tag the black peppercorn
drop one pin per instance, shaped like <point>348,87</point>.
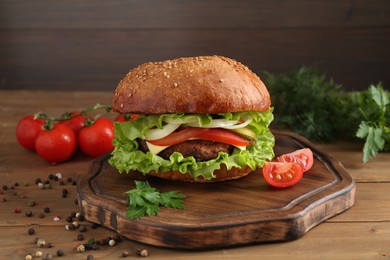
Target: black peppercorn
<point>46,210</point>
<point>80,217</point>
<point>95,246</point>
<point>94,225</point>
<point>117,238</point>
<point>76,202</point>
<point>65,191</point>
<point>41,215</point>
<point>60,252</point>
<point>16,184</point>
<point>31,231</point>
<point>5,187</point>
<point>82,228</point>
<point>28,213</point>
<point>69,179</point>
<point>90,257</point>
<point>51,176</point>
<point>62,183</point>
<point>47,256</point>
<point>55,178</point>
<point>74,183</point>
<point>80,237</point>
<point>69,219</point>
<point>38,180</point>
<point>71,227</point>
<point>88,246</point>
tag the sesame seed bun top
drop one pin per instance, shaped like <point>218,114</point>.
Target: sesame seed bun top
<point>204,84</point>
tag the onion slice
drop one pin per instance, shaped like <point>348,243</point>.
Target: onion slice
<point>215,123</point>
<point>242,125</point>
<point>157,133</point>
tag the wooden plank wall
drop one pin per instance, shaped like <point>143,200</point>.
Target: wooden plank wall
<point>91,45</point>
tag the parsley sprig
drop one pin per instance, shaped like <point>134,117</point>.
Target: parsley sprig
<point>147,200</point>
<point>308,103</point>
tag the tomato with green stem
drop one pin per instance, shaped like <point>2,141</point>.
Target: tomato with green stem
<point>96,139</point>
<point>56,144</point>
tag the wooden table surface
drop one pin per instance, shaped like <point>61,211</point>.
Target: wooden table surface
<point>362,232</point>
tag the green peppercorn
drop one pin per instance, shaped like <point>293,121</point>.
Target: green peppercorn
<point>31,203</point>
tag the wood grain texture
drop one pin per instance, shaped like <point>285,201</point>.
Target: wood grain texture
<point>73,45</point>
<point>230,213</point>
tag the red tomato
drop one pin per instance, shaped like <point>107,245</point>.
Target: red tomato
<point>304,157</point>
<point>27,131</point>
<point>96,139</point>
<point>75,123</point>
<point>126,117</point>
<point>211,134</point>
<point>282,175</point>
<point>179,137</point>
<point>223,136</point>
<point>56,145</point>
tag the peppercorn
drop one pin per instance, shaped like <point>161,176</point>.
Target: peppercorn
<point>41,185</point>
<point>28,213</point>
<point>3,199</point>
<point>95,246</point>
<point>47,256</point>
<point>62,183</point>
<point>69,179</point>
<point>28,257</point>
<point>90,257</point>
<point>38,254</point>
<point>125,253</point>
<point>65,191</point>
<point>82,228</point>
<point>38,180</point>
<point>88,246</point>
<point>31,203</point>
<point>111,242</point>
<point>80,248</point>
<point>41,242</point>
<point>71,227</point>
<point>49,245</point>
<point>75,224</point>
<point>47,186</point>
<point>31,231</point>
<point>95,225</point>
<point>60,252</point>
<point>117,238</point>
<point>74,183</point>
<point>5,187</point>
<point>80,237</point>
<point>16,184</point>
<point>55,178</point>
<point>51,176</point>
<point>142,252</point>
<point>76,202</point>
<point>69,219</point>
<point>17,210</point>
<point>41,215</point>
<point>80,217</point>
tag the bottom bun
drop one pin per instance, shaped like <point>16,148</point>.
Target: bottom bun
<point>221,175</point>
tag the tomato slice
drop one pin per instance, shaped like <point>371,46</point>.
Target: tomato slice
<point>304,157</point>
<point>282,175</point>
<point>210,134</point>
<point>224,136</point>
<point>179,137</point>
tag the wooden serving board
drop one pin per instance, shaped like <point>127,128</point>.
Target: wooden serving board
<point>224,214</point>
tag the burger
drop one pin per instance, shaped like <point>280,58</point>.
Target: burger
<point>201,119</point>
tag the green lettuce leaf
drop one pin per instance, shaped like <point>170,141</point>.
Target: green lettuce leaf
<point>126,157</point>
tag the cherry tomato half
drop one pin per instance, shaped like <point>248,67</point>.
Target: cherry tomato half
<point>304,157</point>
<point>96,139</point>
<point>27,131</point>
<point>282,175</point>
<point>57,144</point>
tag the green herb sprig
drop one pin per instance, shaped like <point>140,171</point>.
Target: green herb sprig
<point>147,200</point>
<point>308,103</point>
